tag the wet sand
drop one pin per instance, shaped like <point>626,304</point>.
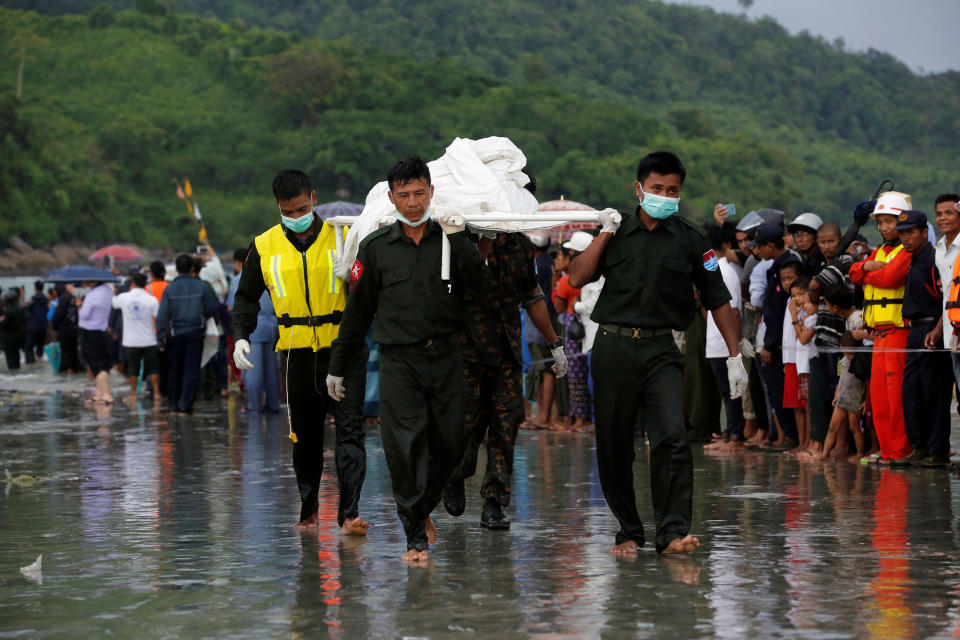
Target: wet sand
<point>157,526</point>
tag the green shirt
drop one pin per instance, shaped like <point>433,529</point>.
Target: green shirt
<point>653,277</point>
<point>398,289</point>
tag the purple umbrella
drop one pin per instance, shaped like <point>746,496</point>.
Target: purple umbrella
<point>338,208</point>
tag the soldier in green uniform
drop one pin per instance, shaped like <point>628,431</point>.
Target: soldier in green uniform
<point>494,372</point>
<point>652,265</point>
<point>416,317</point>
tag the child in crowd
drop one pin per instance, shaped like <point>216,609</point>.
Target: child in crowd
<point>802,320</point>
<point>794,396</point>
<point>847,404</point>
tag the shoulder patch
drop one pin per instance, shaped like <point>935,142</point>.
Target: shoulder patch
<point>710,261</point>
<point>356,270</point>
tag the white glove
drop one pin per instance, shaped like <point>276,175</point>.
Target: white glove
<point>335,388</point>
<point>240,352</point>
<point>736,376</point>
<point>610,220</point>
<point>559,361</point>
<point>451,223</point>
<point>746,349</point>
<point>341,268</point>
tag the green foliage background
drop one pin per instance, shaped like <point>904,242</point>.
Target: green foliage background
<point>119,100</point>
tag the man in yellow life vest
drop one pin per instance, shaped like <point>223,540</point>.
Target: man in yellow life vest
<point>883,277</point>
<point>296,262</point>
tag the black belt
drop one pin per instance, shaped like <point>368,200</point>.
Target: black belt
<point>310,321</point>
<point>635,332</point>
<point>914,321</point>
<point>883,301</point>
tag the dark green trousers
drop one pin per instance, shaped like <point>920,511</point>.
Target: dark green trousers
<point>628,375</point>
<point>422,403</point>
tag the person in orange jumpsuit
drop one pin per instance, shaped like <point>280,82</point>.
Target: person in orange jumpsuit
<point>883,277</point>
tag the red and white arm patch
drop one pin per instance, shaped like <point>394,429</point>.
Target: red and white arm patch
<point>356,270</point>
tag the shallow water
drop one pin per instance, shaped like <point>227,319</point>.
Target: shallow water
<point>152,526</point>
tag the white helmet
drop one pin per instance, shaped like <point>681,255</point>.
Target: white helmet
<point>806,220</point>
<point>892,203</point>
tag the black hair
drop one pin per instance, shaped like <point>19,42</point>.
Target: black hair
<point>662,162</point>
<point>802,282</point>
<point>184,263</point>
<point>840,296</point>
<point>197,264</point>
<point>714,235</point>
<point>240,255</point>
<point>157,270</point>
<point>406,171</point>
<point>140,280</point>
<point>38,285</point>
<point>532,185</point>
<point>777,242</point>
<point>291,183</point>
<point>796,266</point>
<point>946,197</point>
<point>831,227</point>
<point>730,232</point>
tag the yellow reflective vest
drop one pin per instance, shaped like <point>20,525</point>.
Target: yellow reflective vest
<point>883,306</point>
<point>307,297</point>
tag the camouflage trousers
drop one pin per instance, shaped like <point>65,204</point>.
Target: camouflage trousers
<point>494,408</point>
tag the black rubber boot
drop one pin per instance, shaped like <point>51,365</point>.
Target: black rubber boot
<point>492,517</point>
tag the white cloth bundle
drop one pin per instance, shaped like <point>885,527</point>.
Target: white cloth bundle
<point>471,177</point>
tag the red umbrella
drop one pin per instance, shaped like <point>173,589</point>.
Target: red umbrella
<point>118,252</point>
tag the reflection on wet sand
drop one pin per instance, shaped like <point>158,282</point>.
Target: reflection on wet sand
<point>155,525</point>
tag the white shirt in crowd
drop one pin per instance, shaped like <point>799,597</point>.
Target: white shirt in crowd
<point>212,273</point>
<point>945,258</point>
<point>788,344</point>
<point>716,346</point>
<point>809,350</point>
<point>139,310</point>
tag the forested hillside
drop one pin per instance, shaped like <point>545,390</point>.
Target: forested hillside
<point>114,104</point>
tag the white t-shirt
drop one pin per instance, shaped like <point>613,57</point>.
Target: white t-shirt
<point>139,310</point>
<point>789,344</point>
<point>804,350</point>
<point>716,346</point>
<point>945,258</point>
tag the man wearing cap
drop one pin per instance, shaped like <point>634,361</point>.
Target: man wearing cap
<point>770,246</point>
<point>883,276</point>
<point>493,372</point>
<point>927,376</point>
<point>654,267</point>
<point>804,229</point>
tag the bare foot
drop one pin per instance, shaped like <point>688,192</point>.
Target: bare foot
<point>308,522</point>
<point>854,459</point>
<point>431,530</point>
<point>628,548</point>
<point>681,545</point>
<point>355,527</point>
<point>416,558</point>
<point>683,569</point>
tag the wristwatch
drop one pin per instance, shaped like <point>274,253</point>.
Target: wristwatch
<point>555,345</point>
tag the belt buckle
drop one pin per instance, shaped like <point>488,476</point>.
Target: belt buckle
<point>636,333</point>
<point>428,344</point>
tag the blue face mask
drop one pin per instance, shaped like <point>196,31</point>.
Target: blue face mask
<point>298,225</point>
<point>659,207</point>
<point>402,218</point>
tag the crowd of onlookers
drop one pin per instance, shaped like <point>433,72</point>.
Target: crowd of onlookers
<point>167,335</point>
<point>847,345</point>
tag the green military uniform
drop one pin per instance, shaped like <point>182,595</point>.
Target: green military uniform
<point>649,290</point>
<point>494,358</point>
<point>415,318</point>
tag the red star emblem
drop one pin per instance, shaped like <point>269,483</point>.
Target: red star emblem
<point>356,270</point>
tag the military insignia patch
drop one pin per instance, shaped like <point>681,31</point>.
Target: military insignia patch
<point>356,270</point>
<point>710,261</point>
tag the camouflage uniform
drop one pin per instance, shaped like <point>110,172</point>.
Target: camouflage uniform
<point>493,358</point>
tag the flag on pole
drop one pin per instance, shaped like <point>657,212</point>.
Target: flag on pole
<point>187,187</point>
<point>196,211</point>
<point>180,193</point>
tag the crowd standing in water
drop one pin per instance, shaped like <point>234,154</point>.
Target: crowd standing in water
<point>816,345</point>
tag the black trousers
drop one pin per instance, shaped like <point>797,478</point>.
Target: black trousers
<point>773,375</point>
<point>628,375</point>
<point>11,350</point>
<point>307,406</point>
<point>184,353</point>
<point>927,387</point>
<point>33,349</point>
<point>494,411</point>
<point>422,405</point>
<point>70,358</point>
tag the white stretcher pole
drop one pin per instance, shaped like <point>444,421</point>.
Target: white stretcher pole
<point>559,217</point>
